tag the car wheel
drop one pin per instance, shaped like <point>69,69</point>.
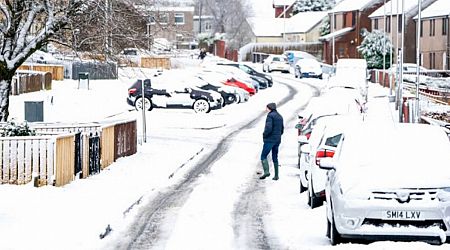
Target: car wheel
<point>296,73</point>
<point>313,200</point>
<point>238,99</point>
<point>138,104</point>
<point>335,236</point>
<point>328,233</point>
<point>201,106</point>
<point>264,69</point>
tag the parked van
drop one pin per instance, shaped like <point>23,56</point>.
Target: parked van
<point>352,73</point>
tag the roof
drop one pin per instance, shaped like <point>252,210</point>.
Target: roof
<point>437,9</point>
<point>396,8</point>
<point>336,33</point>
<point>304,21</point>
<point>266,26</point>
<point>351,5</point>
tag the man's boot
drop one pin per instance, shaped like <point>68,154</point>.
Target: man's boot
<point>265,165</point>
<point>275,166</point>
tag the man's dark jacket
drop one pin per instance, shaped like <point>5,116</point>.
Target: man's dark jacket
<point>274,127</point>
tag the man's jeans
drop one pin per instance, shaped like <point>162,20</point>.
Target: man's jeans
<point>270,146</point>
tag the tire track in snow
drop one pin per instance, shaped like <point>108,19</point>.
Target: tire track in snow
<point>146,232</point>
<point>248,216</point>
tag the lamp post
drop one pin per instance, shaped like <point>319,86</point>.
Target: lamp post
<point>333,39</point>
<point>400,83</point>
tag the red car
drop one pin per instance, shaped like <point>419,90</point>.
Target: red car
<point>239,84</point>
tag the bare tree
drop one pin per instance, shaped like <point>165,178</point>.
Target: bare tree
<point>26,26</point>
<point>229,17</point>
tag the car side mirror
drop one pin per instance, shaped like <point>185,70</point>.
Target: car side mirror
<point>327,163</point>
<point>302,139</point>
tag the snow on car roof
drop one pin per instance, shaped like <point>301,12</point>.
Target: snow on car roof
<point>394,155</point>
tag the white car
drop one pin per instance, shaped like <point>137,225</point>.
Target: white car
<point>389,182</point>
<point>337,102</point>
<point>308,68</point>
<point>276,63</point>
<point>323,142</point>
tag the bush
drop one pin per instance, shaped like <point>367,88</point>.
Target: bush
<point>16,129</point>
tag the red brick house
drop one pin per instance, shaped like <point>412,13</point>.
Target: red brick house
<point>348,20</point>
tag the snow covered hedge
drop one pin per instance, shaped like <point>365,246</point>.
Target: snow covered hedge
<point>374,46</point>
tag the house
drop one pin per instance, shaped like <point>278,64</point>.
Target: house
<point>304,26</point>
<point>203,24</point>
<point>349,19</point>
<point>283,8</point>
<point>435,35</point>
<point>392,13</point>
<point>176,24</point>
<point>266,29</point>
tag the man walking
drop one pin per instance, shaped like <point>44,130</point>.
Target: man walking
<point>273,130</point>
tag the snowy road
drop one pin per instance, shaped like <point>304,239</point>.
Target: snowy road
<point>150,227</point>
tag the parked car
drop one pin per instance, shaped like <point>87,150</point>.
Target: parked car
<point>323,142</point>
<point>390,183</point>
<point>294,55</point>
<point>227,94</point>
<point>308,68</point>
<point>276,63</point>
<point>174,96</point>
<point>232,80</point>
<point>339,102</point>
<point>220,79</point>
<point>263,79</point>
<point>239,75</point>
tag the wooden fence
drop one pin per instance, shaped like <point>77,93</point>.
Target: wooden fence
<point>50,156</point>
<point>31,81</point>
<point>57,71</point>
<point>146,62</point>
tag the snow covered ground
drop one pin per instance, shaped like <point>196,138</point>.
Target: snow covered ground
<point>74,216</point>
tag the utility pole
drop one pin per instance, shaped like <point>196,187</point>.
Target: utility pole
<point>391,52</point>
<point>333,38</point>
<point>384,42</point>
<point>400,84</point>
<point>419,21</point>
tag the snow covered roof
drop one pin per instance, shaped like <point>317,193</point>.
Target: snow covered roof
<point>439,8</point>
<point>305,21</point>
<point>351,5</point>
<point>283,2</point>
<point>266,26</point>
<point>396,8</point>
<point>336,33</point>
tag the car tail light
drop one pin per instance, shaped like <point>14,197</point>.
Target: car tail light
<point>323,154</point>
<point>132,91</point>
<point>308,135</point>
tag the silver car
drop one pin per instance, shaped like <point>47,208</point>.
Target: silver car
<point>389,182</point>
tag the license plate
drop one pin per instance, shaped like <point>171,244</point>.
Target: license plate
<point>402,215</point>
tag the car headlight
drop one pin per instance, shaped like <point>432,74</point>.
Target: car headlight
<point>443,194</point>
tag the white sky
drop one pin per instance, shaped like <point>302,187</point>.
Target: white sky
<point>73,216</point>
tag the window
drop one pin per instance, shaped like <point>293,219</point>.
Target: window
<point>179,18</point>
<point>399,24</point>
<point>421,28</point>
<point>387,25</point>
<point>353,18</point>
<point>432,27</point>
<point>345,19</point>
<point>432,60</point>
<point>444,26</point>
<point>208,26</point>
<point>375,24</point>
<point>334,21</point>
<point>163,18</point>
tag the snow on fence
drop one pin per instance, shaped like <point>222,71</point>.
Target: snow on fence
<point>54,155</point>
